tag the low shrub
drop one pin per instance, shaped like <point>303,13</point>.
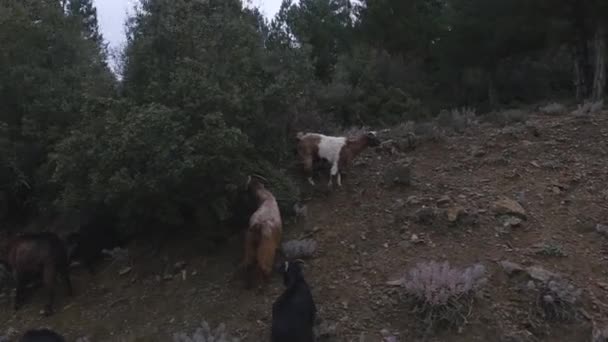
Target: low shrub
<point>205,334</point>
<point>558,300</point>
<point>296,249</point>
<point>442,296</point>
<point>457,119</point>
<point>553,108</point>
<point>507,117</point>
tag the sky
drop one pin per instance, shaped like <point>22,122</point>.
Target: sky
<point>112,14</point>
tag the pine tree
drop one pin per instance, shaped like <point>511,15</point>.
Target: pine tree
<point>85,13</point>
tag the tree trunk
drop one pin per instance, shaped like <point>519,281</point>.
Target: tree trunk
<point>599,72</point>
<point>582,69</point>
<point>492,92</point>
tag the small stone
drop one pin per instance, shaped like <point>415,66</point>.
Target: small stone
<point>454,213</point>
<point>602,229</point>
<point>477,152</point>
<point>511,267</point>
<point>414,238</point>
<point>510,221</point>
<point>444,201</point>
<point>541,274</point>
<point>412,200</point>
<point>506,206</point>
<point>124,271</point>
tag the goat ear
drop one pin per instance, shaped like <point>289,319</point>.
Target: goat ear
<point>248,181</point>
<point>259,177</point>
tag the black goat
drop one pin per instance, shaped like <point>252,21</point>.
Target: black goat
<point>86,245</point>
<point>293,313</point>
<point>41,335</point>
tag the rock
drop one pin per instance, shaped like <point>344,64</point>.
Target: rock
<point>124,271</point>
<point>602,229</point>
<point>425,215</point>
<point>412,200</point>
<point>510,221</point>
<point>415,238</point>
<point>477,152</point>
<point>444,201</point>
<point>398,175</point>
<point>510,267</point>
<point>541,274</point>
<point>518,336</point>
<point>506,206</point>
<point>454,213</point>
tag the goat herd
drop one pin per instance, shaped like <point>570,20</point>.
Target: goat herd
<point>45,256</point>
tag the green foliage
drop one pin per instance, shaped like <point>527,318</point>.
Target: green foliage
<point>371,88</point>
<point>47,69</point>
<point>149,162</point>
<point>324,25</point>
<point>212,91</point>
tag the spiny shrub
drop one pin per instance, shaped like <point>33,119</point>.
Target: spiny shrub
<point>507,117</point>
<point>205,334</point>
<point>457,119</point>
<point>589,107</point>
<point>553,108</point>
<point>558,300</point>
<point>295,249</point>
<point>442,295</point>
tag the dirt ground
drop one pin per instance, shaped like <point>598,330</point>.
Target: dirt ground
<point>555,166</point>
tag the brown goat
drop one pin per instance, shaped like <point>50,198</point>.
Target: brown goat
<point>263,237</point>
<point>35,255</point>
<point>338,151</point>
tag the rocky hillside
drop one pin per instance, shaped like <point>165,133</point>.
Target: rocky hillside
<point>523,197</point>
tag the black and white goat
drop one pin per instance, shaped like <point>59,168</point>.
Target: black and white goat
<point>293,313</point>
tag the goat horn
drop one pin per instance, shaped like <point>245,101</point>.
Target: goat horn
<point>260,177</point>
<point>299,261</point>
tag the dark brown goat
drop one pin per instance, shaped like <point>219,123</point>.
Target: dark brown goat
<point>338,151</point>
<point>38,255</point>
<point>263,236</point>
